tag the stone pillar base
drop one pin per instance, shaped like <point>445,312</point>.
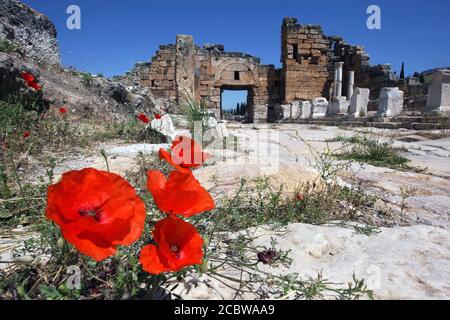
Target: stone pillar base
<point>339,106</point>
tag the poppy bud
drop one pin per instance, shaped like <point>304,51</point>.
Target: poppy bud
<point>206,240</point>
<point>23,260</point>
<point>60,243</point>
<point>204,266</point>
<point>63,289</point>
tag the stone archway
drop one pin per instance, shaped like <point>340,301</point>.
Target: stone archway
<point>227,70</point>
<point>237,74</point>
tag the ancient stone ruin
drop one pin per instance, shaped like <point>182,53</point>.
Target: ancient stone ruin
<point>321,77</point>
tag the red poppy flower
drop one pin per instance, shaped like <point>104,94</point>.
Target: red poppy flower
<point>28,77</point>
<point>158,116</point>
<point>180,194</point>
<point>31,81</point>
<point>62,110</point>
<point>26,134</point>
<point>35,86</point>
<point>143,118</point>
<point>96,211</point>
<point>178,245</point>
<point>185,153</point>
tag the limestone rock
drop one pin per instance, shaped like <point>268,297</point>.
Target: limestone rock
<point>222,129</point>
<point>210,122</point>
<point>398,263</point>
<point>164,126</point>
<point>32,32</point>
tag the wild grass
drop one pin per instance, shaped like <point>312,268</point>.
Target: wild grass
<point>196,113</point>
<point>87,79</point>
<point>7,46</point>
<point>373,150</point>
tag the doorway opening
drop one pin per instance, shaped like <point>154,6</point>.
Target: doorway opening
<point>234,104</point>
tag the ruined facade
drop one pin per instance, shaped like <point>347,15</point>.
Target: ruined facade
<point>308,71</point>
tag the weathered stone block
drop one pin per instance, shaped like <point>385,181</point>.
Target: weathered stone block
<point>305,110</point>
<point>359,102</point>
<point>439,93</point>
<point>390,103</point>
<point>340,105</point>
<point>295,110</point>
<point>285,111</point>
<point>319,108</point>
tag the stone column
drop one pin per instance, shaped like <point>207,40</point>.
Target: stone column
<point>184,67</point>
<point>351,84</point>
<point>336,75</point>
<point>338,78</point>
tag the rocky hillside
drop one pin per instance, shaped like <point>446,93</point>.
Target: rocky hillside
<point>28,44</point>
<point>33,33</point>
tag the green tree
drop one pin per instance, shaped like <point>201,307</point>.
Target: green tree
<point>402,72</point>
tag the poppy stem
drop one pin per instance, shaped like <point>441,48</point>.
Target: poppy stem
<point>16,175</point>
<point>105,156</point>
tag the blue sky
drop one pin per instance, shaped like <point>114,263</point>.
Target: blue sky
<point>116,34</point>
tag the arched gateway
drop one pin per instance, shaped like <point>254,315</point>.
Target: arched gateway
<point>308,60</point>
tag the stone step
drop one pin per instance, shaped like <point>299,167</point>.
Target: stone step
<point>407,119</point>
<point>374,124</point>
<point>412,113</point>
<point>436,119</point>
<point>431,126</point>
<point>385,125</point>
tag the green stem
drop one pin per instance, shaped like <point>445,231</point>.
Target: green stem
<point>16,175</point>
<point>105,156</point>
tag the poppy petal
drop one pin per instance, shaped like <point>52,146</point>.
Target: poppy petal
<point>165,155</point>
<point>178,245</point>
<point>180,194</point>
<point>150,260</point>
<point>96,211</point>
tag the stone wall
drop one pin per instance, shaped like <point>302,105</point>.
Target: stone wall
<point>305,62</point>
<point>161,73</point>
